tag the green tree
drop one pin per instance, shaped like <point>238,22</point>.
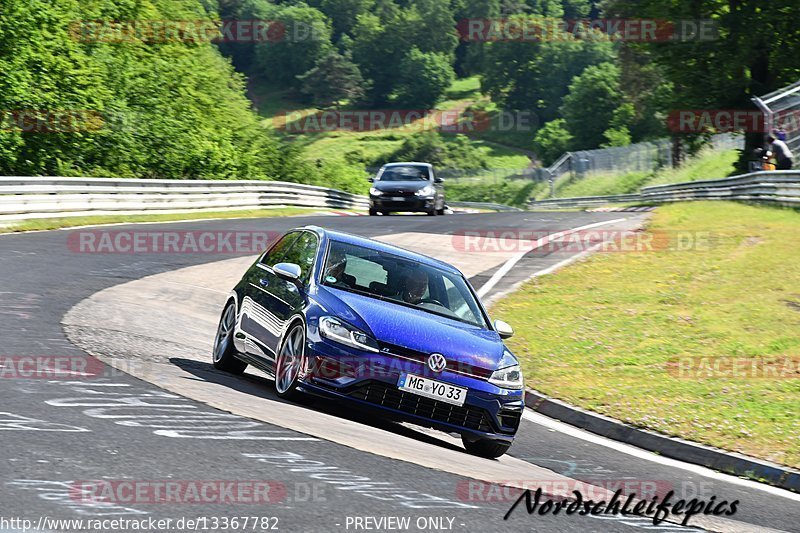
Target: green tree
<point>424,77</point>
<point>552,140</point>
<point>618,132</point>
<point>535,76</point>
<point>470,52</point>
<point>343,13</point>
<point>751,50</point>
<point>306,40</point>
<point>334,78</point>
<point>160,109</point>
<point>381,40</point>
<point>591,104</point>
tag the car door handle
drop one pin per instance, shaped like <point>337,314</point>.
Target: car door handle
<point>263,282</point>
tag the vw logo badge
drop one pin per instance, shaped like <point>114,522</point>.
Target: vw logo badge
<point>437,362</point>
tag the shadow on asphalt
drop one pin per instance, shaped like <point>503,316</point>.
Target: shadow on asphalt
<point>263,387</point>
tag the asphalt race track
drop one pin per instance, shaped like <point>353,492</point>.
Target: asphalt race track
<point>327,470</point>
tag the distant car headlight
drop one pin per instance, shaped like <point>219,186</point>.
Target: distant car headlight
<point>427,190</point>
<point>374,192</point>
<point>343,333</point>
<point>508,377</point>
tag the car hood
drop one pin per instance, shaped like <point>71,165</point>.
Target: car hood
<point>400,186</point>
<point>415,329</point>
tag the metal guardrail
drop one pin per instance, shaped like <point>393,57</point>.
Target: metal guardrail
<point>45,197</point>
<point>584,201</point>
<point>483,205</point>
<point>772,187</point>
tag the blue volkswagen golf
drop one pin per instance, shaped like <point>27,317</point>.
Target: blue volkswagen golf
<point>352,319</point>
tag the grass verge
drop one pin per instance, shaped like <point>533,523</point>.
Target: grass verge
<point>515,193</point>
<point>600,334</point>
<point>70,222</point>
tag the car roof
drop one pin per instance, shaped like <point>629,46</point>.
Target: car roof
<point>395,164</point>
<point>349,238</point>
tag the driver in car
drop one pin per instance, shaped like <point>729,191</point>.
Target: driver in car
<point>335,273</point>
<point>415,286</point>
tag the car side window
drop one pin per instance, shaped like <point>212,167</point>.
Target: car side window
<point>302,252</point>
<point>277,252</point>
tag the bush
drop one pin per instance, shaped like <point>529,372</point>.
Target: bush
<point>430,147</point>
<point>163,110</point>
<point>424,77</point>
<point>551,141</point>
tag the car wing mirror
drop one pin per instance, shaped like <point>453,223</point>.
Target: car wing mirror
<point>288,271</point>
<point>370,179</point>
<point>503,329</point>
<point>438,180</point>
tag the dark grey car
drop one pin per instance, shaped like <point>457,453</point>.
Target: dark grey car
<point>406,187</point>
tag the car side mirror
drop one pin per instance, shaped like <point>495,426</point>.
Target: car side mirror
<point>288,271</point>
<point>370,179</point>
<point>503,329</point>
<point>438,180</point>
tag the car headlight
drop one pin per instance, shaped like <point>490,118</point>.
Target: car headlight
<point>508,377</point>
<point>374,192</point>
<point>343,333</point>
<point>427,190</point>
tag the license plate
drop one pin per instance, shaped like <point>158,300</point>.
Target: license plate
<point>431,388</point>
<point>397,198</point>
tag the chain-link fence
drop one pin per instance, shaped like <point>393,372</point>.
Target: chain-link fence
<point>639,157</point>
<point>781,110</point>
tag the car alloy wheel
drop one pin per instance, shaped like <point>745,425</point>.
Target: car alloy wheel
<point>224,352</point>
<point>291,359</point>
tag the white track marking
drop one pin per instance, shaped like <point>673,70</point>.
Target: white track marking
<point>573,431</point>
<point>506,268</point>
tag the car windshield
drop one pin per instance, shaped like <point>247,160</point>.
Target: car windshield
<point>404,173</point>
<point>389,277</point>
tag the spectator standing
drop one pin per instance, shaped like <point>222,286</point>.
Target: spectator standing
<point>783,156</point>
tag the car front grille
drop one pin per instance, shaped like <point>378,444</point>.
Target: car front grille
<point>385,395</point>
<point>453,366</point>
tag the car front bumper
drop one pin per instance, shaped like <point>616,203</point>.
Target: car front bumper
<point>411,203</point>
<point>370,381</point>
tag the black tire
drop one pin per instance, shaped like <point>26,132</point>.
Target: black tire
<point>440,211</point>
<point>292,349</point>
<point>432,212</point>
<point>224,352</point>
<point>372,213</point>
<point>490,449</point>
